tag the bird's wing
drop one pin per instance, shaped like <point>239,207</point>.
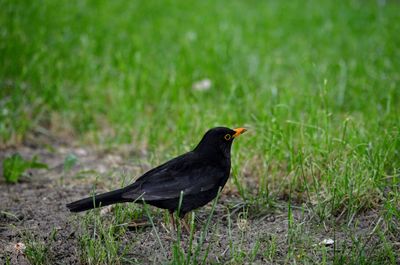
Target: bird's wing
<point>184,173</point>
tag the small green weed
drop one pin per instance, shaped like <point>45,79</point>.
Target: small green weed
<point>70,161</point>
<point>14,166</point>
<point>37,252</point>
<point>101,239</point>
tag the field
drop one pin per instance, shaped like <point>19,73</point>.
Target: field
<point>102,91</point>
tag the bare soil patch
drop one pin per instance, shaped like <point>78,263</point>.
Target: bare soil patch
<point>36,206</point>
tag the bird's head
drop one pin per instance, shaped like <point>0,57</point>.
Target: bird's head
<point>218,139</point>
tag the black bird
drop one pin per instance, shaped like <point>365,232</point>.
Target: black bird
<point>198,174</point>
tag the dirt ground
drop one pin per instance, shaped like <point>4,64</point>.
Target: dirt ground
<point>37,205</point>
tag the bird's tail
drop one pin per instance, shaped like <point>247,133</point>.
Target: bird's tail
<point>97,201</point>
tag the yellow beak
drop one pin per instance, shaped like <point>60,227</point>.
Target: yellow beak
<point>238,131</point>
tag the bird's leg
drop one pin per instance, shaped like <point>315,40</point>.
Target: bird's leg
<point>171,216</point>
<point>185,225</point>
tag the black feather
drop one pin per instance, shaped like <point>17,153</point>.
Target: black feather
<point>97,201</point>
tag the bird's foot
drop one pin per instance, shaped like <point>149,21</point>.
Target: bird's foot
<point>185,226</point>
<point>138,224</point>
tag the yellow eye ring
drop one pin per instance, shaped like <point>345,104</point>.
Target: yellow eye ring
<point>227,137</point>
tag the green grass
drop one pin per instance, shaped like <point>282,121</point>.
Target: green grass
<point>100,240</point>
<point>36,251</point>
<point>317,83</point>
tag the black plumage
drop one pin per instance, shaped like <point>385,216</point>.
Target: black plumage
<point>199,174</point>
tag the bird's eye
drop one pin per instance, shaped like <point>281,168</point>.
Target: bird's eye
<point>227,137</point>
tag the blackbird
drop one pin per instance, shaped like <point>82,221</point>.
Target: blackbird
<point>198,174</point>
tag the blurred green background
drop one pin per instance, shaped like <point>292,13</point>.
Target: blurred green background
<point>317,82</point>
